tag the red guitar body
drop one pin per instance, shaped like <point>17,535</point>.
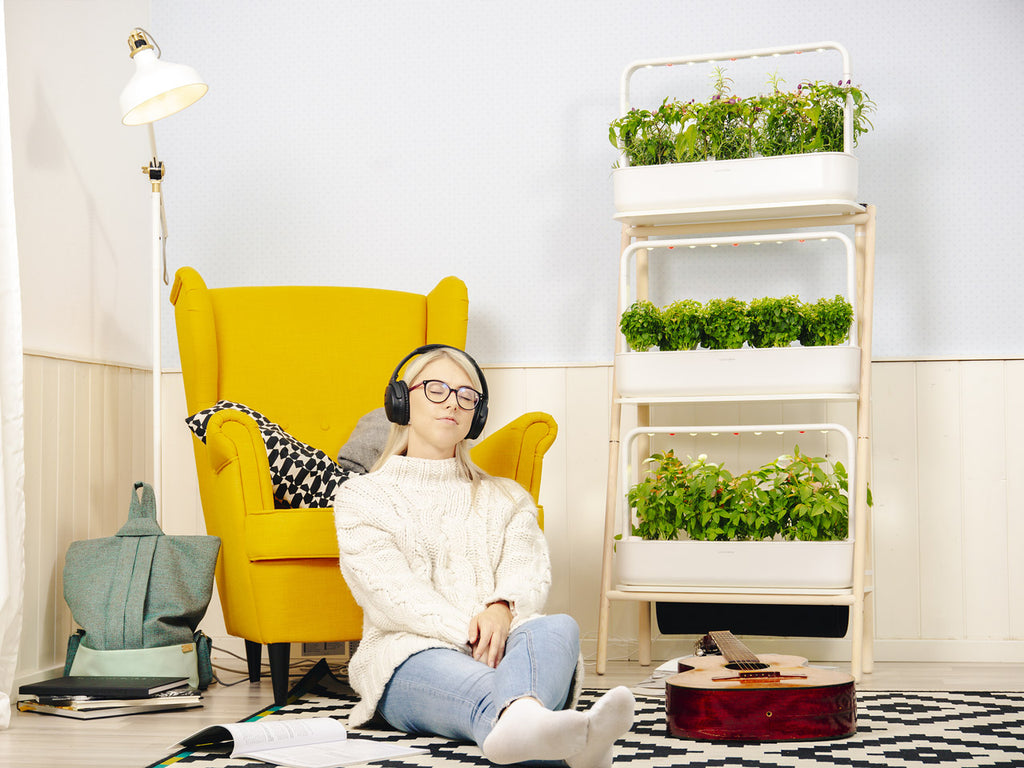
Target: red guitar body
<point>742,697</point>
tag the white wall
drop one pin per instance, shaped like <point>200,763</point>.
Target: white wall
<point>82,201</point>
<point>391,143</point>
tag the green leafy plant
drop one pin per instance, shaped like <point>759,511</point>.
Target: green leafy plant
<point>794,498</point>
<point>642,325</point>
<point>783,124</point>
<point>672,492</point>
<point>775,322</point>
<point>826,322</point>
<point>729,323</point>
<point>726,127</point>
<point>651,137</point>
<point>720,129</point>
<point>725,323</point>
<point>683,325</point>
<point>805,498</point>
<point>824,103</point>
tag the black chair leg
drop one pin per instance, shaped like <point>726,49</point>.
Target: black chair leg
<point>253,656</point>
<point>279,653</point>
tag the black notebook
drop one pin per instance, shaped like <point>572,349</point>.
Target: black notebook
<point>104,687</point>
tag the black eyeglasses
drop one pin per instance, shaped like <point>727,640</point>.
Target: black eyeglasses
<point>438,391</point>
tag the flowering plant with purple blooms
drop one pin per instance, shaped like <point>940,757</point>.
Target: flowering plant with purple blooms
<point>727,127</point>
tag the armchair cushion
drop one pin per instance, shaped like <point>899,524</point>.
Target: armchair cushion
<point>301,475</point>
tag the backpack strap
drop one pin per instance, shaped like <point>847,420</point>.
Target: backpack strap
<point>142,513</point>
<point>127,597</point>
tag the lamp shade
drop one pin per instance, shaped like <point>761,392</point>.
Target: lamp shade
<point>158,89</point>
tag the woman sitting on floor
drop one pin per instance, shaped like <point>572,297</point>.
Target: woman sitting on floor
<point>452,572</point>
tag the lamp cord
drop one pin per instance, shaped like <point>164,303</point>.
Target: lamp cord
<point>163,236</point>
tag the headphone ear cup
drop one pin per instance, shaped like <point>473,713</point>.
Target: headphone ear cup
<point>396,401</point>
<point>479,420</point>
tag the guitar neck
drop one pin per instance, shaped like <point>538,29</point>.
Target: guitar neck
<point>733,650</point>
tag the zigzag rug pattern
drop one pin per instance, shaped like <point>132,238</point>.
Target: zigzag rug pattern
<point>894,729</point>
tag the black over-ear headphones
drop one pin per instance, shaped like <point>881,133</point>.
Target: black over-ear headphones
<point>396,396</point>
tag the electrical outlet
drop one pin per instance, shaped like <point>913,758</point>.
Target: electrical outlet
<point>341,648</point>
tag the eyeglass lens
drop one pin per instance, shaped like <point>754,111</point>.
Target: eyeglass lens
<point>439,391</point>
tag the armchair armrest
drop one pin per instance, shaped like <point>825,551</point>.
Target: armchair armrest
<point>238,457</point>
<point>245,497</point>
<point>517,451</point>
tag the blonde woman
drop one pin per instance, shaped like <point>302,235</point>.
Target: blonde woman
<point>452,573</point>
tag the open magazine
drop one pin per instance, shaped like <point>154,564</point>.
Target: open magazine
<point>307,742</point>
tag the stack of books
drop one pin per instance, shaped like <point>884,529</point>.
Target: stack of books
<point>87,698</point>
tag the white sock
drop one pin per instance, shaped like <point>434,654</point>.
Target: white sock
<point>610,718</point>
<point>526,730</point>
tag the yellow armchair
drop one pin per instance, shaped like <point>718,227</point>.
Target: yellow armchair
<point>314,360</point>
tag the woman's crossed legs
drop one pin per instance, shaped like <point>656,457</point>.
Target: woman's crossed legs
<point>515,712</point>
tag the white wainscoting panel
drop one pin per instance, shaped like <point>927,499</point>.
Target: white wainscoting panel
<point>897,541</point>
<point>87,439</point>
<point>1014,388</point>
<point>948,495</point>
<point>983,501</point>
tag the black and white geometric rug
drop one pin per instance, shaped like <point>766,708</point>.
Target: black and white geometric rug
<point>894,729</point>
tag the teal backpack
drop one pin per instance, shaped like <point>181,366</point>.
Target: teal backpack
<point>139,597</point>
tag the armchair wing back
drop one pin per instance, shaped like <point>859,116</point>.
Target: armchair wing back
<point>319,355</point>
<point>314,360</point>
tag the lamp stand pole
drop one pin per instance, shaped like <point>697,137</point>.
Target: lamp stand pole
<point>155,172</point>
<point>157,90</point>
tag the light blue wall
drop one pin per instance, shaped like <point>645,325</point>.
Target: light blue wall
<point>392,143</point>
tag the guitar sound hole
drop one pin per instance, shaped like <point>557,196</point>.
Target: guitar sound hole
<point>745,666</point>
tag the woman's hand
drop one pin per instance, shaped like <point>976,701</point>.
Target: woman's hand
<point>488,631</point>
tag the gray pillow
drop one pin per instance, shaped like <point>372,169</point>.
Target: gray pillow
<point>366,443</point>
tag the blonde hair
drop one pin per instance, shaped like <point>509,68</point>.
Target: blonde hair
<point>398,438</point>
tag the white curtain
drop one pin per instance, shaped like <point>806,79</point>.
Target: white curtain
<point>12,433</point>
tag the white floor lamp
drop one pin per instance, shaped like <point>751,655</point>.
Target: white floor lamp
<point>158,89</point>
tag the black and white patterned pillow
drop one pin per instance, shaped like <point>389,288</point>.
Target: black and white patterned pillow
<point>302,476</point>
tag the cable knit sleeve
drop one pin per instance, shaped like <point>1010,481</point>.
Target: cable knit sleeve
<point>377,571</point>
<point>523,572</point>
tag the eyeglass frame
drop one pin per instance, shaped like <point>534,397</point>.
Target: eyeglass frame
<point>458,402</point>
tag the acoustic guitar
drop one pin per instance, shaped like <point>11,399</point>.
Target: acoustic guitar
<point>739,696</point>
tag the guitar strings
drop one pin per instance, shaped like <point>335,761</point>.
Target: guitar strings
<point>736,653</point>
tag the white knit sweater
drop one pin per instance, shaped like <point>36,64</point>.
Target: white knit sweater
<point>423,554</point>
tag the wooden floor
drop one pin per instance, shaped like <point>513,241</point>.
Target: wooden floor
<point>42,741</point>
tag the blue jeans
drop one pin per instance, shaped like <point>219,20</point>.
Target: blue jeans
<point>448,693</point>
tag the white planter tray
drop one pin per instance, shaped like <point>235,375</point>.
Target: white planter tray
<point>757,186</point>
<point>734,564</point>
<point>747,371</point>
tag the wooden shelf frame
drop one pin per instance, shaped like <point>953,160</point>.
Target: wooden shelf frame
<point>860,597</point>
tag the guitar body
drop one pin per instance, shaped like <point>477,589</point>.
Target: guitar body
<point>769,697</point>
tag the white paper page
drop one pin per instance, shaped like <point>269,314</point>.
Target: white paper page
<point>274,734</point>
<point>333,754</point>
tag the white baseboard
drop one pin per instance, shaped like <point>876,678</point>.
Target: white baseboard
<point>956,651</point>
